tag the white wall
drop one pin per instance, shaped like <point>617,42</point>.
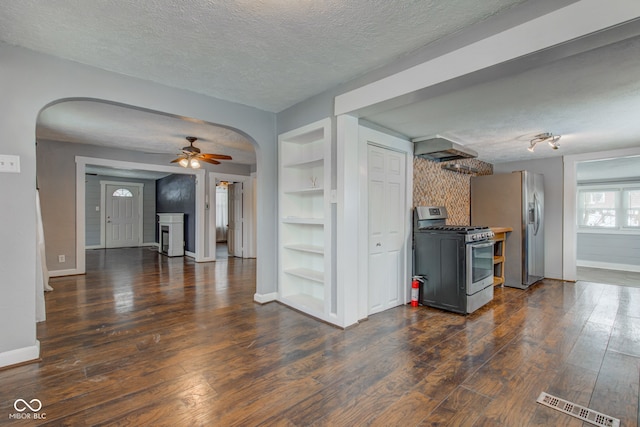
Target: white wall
<point>552,169</point>
<point>29,82</point>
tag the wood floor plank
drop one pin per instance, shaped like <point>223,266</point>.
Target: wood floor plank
<point>460,408</point>
<point>144,339</point>
<point>574,384</point>
<point>616,390</point>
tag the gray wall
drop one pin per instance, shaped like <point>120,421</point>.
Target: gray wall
<point>552,169</point>
<point>92,216</point>
<point>57,183</point>
<point>609,248</point>
<point>29,82</point>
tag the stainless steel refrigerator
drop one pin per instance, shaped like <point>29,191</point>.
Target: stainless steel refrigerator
<point>514,200</point>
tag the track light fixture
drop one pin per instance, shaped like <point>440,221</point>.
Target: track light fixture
<point>542,137</point>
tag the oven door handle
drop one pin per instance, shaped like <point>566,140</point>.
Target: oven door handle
<point>483,244</point>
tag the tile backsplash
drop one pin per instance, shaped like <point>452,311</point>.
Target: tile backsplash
<point>434,186</point>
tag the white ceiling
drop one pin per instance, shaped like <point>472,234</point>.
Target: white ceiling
<point>272,54</point>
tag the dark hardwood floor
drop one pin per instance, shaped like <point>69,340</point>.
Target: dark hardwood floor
<point>146,340</point>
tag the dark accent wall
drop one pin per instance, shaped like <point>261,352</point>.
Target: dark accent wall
<point>174,194</point>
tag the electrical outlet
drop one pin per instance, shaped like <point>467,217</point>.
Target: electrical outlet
<point>9,163</point>
<point>61,258</point>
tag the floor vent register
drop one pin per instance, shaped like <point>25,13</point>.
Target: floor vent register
<point>580,412</point>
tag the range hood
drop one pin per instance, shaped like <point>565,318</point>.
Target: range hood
<point>440,149</point>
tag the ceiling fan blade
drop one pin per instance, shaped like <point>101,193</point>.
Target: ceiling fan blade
<point>178,159</point>
<point>215,156</point>
<point>213,162</point>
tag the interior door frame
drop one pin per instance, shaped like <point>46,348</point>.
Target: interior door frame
<point>103,205</point>
<point>394,143</point>
<point>248,209</point>
<point>569,209</point>
<point>82,162</point>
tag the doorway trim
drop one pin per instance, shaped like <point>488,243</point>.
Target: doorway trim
<point>82,162</point>
<point>248,230</point>
<point>569,228</point>
<point>103,214</point>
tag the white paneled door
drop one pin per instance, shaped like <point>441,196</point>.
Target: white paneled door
<point>122,220</point>
<point>386,233</point>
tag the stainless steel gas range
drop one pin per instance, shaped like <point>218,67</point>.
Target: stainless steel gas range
<point>454,262</point>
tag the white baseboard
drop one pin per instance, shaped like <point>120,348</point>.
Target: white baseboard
<point>609,265</point>
<point>20,355</point>
<point>190,254</point>
<point>69,272</point>
<point>144,245</point>
<point>265,298</point>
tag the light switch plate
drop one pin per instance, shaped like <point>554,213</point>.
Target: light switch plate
<point>9,163</point>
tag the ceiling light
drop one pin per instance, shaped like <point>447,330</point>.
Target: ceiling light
<point>184,162</point>
<point>194,163</point>
<point>547,136</point>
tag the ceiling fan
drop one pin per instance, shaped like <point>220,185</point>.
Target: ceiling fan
<point>191,156</point>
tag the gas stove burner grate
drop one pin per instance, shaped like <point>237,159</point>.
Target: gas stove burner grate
<point>455,228</point>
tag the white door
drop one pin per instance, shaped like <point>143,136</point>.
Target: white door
<point>234,233</point>
<point>386,233</point>
<point>122,227</point>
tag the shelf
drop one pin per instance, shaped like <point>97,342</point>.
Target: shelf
<point>305,229</point>
<point>306,248</point>
<point>311,190</point>
<point>305,273</point>
<point>317,132</point>
<point>499,254</point>
<point>305,164</point>
<point>308,221</point>
<point>304,302</point>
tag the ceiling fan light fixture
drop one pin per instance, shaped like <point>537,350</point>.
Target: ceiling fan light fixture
<point>192,157</point>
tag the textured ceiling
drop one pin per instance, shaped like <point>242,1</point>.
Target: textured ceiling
<point>269,54</point>
<point>591,99</point>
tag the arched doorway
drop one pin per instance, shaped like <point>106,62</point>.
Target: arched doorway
<point>124,140</point>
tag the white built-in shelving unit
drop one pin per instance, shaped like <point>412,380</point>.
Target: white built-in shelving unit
<point>305,221</point>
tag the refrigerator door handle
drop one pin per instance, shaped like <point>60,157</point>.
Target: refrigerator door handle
<point>536,225</point>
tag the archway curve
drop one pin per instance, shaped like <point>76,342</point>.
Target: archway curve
<point>93,121</point>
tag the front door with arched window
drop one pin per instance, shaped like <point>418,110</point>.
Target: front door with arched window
<point>122,215</point>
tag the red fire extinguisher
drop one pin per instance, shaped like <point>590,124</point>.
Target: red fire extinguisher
<point>415,291</point>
